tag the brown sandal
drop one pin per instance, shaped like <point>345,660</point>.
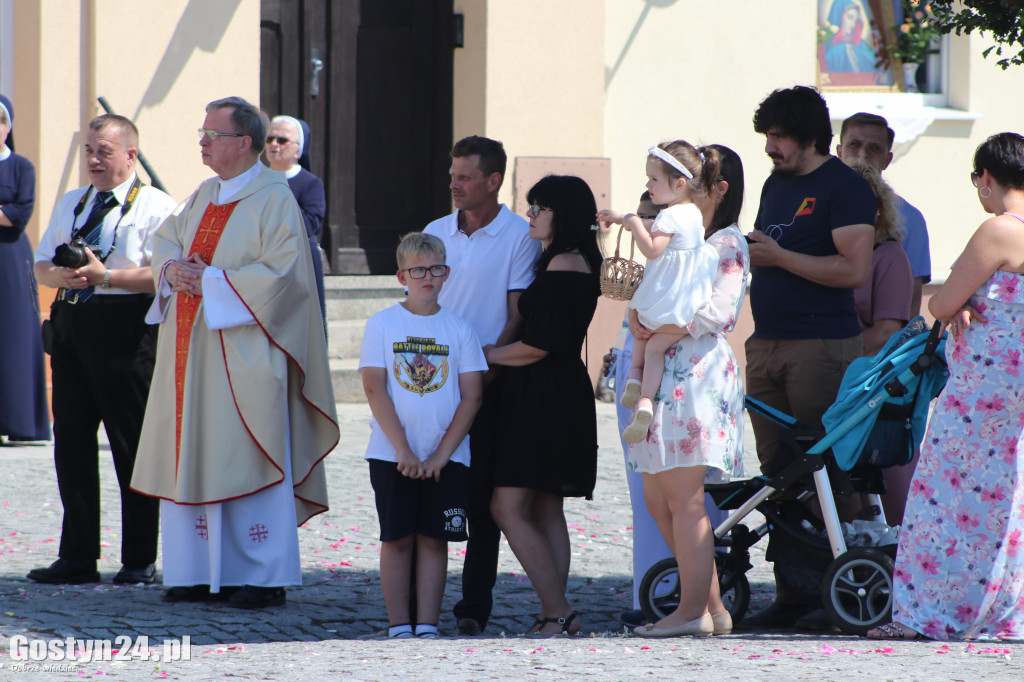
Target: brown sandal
<point>894,630</point>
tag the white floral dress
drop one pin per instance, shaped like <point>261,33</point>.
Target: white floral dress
<point>698,412</point>
<point>960,564</point>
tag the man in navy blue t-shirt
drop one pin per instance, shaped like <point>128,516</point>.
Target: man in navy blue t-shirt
<point>810,250</point>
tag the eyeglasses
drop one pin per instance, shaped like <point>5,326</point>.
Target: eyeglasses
<point>534,210</point>
<point>420,273</point>
<point>975,177</point>
<point>283,141</point>
<point>212,135</point>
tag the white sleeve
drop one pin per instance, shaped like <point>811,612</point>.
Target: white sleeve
<point>158,311</point>
<point>221,304</point>
<point>59,230</point>
<point>520,274</point>
<point>371,353</point>
<point>471,354</point>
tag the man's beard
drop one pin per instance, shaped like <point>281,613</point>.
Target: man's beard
<point>783,173</point>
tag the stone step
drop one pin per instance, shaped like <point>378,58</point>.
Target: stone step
<point>350,301</point>
<point>345,338</point>
<point>357,297</point>
<point>346,380</point>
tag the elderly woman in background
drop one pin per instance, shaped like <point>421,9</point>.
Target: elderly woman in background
<point>960,563</point>
<point>287,146</point>
<point>23,410</point>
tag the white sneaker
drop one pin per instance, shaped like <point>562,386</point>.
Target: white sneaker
<point>630,394</point>
<point>636,430</point>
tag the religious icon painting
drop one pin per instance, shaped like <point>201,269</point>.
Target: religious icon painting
<point>852,52</point>
<point>421,365</point>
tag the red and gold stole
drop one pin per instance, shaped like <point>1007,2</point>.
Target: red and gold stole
<point>211,227</point>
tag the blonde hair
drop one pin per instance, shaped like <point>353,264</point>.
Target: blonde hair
<point>419,244</point>
<point>888,220</point>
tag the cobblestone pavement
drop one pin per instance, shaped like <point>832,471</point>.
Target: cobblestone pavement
<point>317,635</point>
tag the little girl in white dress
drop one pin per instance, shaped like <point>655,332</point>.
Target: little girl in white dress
<point>678,276</point>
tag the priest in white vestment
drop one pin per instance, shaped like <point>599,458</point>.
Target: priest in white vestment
<point>241,411</point>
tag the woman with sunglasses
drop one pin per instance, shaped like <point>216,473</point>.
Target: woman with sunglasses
<point>288,152</point>
<point>546,437</point>
<point>960,564</point>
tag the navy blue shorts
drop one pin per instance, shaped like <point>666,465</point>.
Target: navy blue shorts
<point>406,506</point>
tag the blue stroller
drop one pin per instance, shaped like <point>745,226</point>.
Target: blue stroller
<point>877,421</point>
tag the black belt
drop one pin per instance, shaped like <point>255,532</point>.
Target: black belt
<point>116,299</point>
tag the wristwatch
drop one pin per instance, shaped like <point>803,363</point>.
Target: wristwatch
<point>106,279</point>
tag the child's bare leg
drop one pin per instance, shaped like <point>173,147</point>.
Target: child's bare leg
<point>654,361</point>
<point>431,576</point>
<point>631,392</point>
<point>654,366</point>
<point>395,569</point>
<point>639,348</point>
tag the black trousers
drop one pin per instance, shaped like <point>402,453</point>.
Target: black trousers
<point>480,570</point>
<point>102,364</point>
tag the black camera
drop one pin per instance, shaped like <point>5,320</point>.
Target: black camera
<point>73,255</point>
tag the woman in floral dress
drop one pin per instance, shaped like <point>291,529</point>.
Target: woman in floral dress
<point>960,564</point>
<point>697,428</point>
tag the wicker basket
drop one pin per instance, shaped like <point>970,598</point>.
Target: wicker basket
<point>621,276</point>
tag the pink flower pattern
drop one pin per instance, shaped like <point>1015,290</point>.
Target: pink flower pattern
<point>699,407</point>
<point>964,523</point>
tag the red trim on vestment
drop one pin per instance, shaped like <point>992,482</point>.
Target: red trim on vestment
<point>302,393</point>
<point>204,243</point>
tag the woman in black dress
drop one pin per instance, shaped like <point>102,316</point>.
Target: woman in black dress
<point>546,438</point>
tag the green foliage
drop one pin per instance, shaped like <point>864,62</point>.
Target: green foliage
<point>915,36</point>
<point>1000,20</point>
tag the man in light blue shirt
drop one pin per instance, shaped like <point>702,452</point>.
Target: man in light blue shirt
<point>869,138</point>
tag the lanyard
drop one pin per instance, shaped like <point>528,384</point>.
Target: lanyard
<point>133,194</point>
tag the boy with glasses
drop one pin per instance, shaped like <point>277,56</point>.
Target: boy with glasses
<point>422,369</point>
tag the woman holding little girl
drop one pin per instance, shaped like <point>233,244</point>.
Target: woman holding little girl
<point>689,393</point>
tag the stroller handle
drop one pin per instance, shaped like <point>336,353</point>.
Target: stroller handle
<point>927,357</point>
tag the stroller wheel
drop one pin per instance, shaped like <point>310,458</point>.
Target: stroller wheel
<point>857,590</point>
<point>659,589</point>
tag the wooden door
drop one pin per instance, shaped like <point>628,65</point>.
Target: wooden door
<point>382,119</point>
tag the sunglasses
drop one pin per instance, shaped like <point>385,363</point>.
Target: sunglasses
<point>212,135</point>
<point>975,177</point>
<point>283,141</point>
<point>534,210</point>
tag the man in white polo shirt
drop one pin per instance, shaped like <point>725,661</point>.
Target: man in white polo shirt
<point>491,257</point>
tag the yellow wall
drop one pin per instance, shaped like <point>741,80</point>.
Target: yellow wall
<point>532,76</point>
<point>697,71</point>
<point>933,173</point>
<point>679,70</point>
<point>158,63</point>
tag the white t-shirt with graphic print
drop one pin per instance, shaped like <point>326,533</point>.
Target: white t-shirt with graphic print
<point>424,356</point>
